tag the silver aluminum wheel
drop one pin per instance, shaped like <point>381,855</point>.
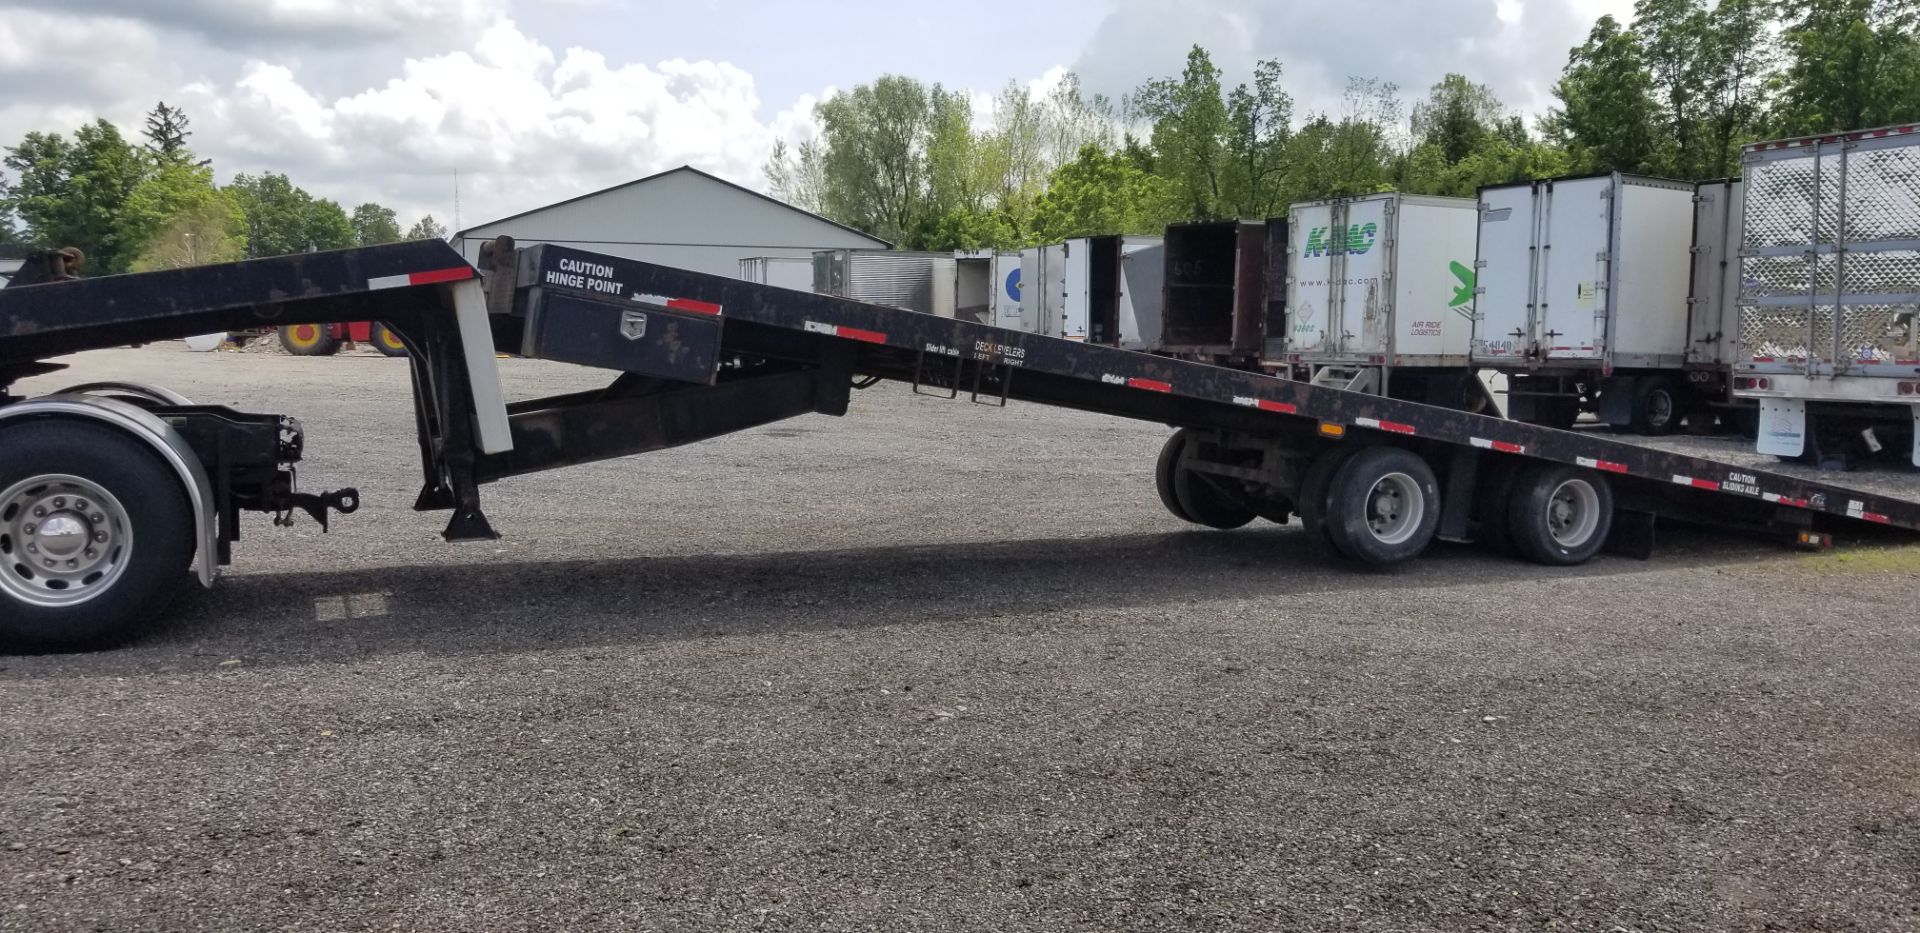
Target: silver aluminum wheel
<point>1573,513</point>
<point>1395,508</point>
<point>63,540</point>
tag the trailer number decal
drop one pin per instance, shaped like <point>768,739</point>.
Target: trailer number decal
<point>1605,465</point>
<point>1706,484</point>
<point>1501,446</point>
<point>679,304</point>
<point>1745,483</point>
<point>437,276</point>
<point>1390,426</point>
<point>1264,405</point>
<point>846,333</point>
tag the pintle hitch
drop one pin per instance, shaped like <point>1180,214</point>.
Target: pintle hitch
<point>344,501</point>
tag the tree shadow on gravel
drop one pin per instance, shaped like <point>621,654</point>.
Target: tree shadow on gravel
<point>457,609</point>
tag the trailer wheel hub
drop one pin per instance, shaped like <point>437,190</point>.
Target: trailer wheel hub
<point>63,540</point>
<point>1395,508</point>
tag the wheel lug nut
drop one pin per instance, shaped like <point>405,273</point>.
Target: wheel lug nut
<point>100,536</point>
<point>48,562</point>
<point>96,518</point>
<point>29,529</point>
<point>73,565</point>
<point>60,502</point>
<point>39,511</point>
<point>91,553</point>
<point>80,504</point>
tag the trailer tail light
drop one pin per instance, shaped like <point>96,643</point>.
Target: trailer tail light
<point>1815,541</point>
<point>1910,388</point>
<point>1759,383</point>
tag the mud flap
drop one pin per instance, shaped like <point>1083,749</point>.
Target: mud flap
<point>1916,435</point>
<point>1783,427</point>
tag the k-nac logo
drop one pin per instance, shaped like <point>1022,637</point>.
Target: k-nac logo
<point>1333,241</point>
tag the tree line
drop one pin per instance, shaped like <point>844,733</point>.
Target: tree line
<point>1673,92</point>
<point>137,206</point>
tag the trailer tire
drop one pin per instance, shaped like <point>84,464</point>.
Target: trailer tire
<point>1311,501</point>
<point>1164,470</point>
<point>309,340</point>
<point>1491,502</point>
<point>1383,506</point>
<point>1201,500</point>
<point>127,551</point>
<point>1657,408</point>
<point>1559,515</point>
<point>386,340</point>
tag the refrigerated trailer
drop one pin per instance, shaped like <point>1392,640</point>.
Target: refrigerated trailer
<point>1830,309</point>
<point>112,494</point>
<point>1380,297</point>
<point>1581,299</point>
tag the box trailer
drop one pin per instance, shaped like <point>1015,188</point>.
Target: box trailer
<point>983,280</point>
<point>1713,300</point>
<point>1581,299</point>
<point>1216,293</point>
<point>111,494</point>
<point>1096,289</point>
<point>1142,282</point>
<point>921,282</point>
<point>783,271</point>
<point>1381,297</point>
<point>1830,263</point>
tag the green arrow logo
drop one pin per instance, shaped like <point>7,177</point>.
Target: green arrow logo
<point>1463,292</point>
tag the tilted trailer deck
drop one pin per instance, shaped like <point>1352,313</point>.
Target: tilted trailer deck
<point>111,493</point>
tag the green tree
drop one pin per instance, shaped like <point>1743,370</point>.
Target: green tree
<point>173,190</point>
<point>1675,38</point>
<point>1459,116</point>
<point>1189,125</point>
<point>1102,192</point>
<point>426,228</point>
<point>1259,126</point>
<point>797,175</point>
<point>70,192</point>
<point>874,162</point>
<point>209,232</point>
<point>166,132</point>
<point>1850,64</point>
<point>282,218</point>
<point>1605,118</point>
<point>1350,156</point>
<point>1739,55</point>
<point>374,224</point>
<point>329,227</point>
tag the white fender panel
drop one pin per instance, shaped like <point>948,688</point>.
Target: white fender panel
<point>164,440</point>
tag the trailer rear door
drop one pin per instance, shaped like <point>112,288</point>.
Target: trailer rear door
<point>1503,294</point>
<point>1571,316</point>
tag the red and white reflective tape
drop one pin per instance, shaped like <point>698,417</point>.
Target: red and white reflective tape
<point>1778,499</point>
<point>1394,427</point>
<point>679,304</point>
<point>1605,466</point>
<point>1265,405</point>
<point>1501,446</point>
<point>435,277</point>
<point>1858,509</point>
<point>1151,385</point>
<point>846,333</point>
<point>1706,484</point>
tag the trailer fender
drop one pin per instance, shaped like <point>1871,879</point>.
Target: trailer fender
<point>165,441</point>
<point>158,395</point>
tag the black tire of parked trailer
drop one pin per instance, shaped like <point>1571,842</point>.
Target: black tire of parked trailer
<point>153,551</point>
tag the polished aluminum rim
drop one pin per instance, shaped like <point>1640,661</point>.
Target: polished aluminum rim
<point>1573,513</point>
<point>64,540</point>
<point>1395,508</point>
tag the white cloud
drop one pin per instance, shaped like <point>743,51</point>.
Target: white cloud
<point>521,124</point>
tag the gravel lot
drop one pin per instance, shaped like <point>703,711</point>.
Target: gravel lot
<point>943,667</point>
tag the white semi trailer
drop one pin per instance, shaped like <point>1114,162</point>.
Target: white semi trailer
<point>1380,296</point>
<point>1582,288</point>
<point>1830,265</point>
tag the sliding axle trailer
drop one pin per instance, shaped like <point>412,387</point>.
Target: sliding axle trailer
<point>111,496</point>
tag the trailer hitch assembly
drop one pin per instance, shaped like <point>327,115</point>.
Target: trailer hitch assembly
<point>344,501</point>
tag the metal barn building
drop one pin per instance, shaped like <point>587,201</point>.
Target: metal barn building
<point>682,217</point>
